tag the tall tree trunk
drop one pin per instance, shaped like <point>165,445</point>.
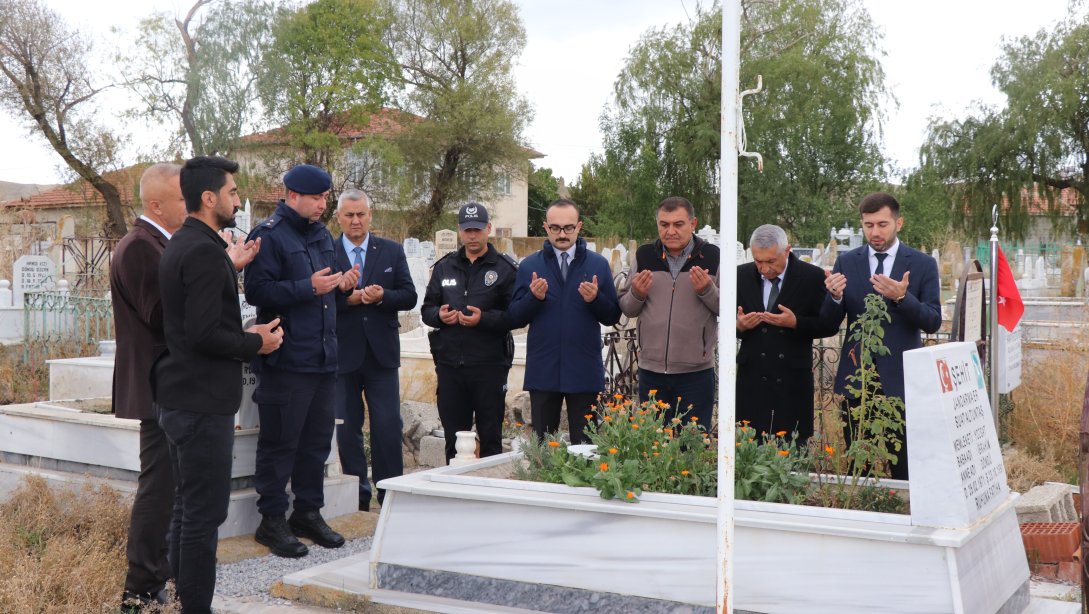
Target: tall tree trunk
<point>427,216</point>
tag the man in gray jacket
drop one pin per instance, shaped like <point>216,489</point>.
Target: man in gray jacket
<point>673,290</point>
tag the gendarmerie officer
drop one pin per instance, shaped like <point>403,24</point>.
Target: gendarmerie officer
<point>295,278</point>
<point>466,302</point>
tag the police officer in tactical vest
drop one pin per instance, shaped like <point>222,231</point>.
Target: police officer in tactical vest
<point>466,303</point>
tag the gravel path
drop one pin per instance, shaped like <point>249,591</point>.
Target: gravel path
<point>253,577</point>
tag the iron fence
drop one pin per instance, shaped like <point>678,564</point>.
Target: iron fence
<point>57,317</point>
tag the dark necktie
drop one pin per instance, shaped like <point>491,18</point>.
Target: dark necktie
<point>563,265</point>
<point>774,294</point>
<point>359,262</point>
<point>880,264</point>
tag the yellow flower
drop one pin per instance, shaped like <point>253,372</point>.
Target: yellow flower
<point>631,495</point>
<point>684,472</point>
<point>784,453</point>
<point>553,444</point>
<point>604,466</point>
<point>780,433</point>
<point>613,450</point>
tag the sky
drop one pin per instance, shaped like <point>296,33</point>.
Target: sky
<point>938,55</point>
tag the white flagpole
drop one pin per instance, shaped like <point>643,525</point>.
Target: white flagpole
<point>727,331</point>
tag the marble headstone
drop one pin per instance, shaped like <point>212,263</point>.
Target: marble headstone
<point>954,460</point>
<point>446,241</point>
<point>247,416</point>
<point>412,247</point>
<point>32,274</point>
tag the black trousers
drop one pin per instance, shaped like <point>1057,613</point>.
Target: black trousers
<point>473,390</point>
<point>545,406</point>
<point>381,387</point>
<point>899,471</point>
<point>147,547</point>
<point>201,450</point>
<point>296,436</point>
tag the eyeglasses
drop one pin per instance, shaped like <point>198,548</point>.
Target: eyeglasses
<point>568,229</point>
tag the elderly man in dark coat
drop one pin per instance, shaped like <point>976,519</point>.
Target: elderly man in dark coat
<point>778,315</point>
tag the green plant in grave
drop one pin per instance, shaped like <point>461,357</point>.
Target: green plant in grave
<point>876,420</point>
<point>769,467</point>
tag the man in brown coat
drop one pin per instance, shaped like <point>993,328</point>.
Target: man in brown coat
<point>138,324</point>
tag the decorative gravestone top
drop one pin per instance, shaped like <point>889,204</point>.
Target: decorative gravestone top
<point>954,460</point>
<point>32,274</point>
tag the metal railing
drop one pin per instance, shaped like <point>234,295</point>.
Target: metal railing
<point>54,317</point>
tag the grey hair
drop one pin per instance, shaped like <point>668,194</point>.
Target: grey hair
<point>769,235</point>
<point>354,195</point>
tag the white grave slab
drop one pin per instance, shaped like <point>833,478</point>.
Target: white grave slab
<point>247,416</point>
<point>954,459</point>
<point>412,247</point>
<point>32,274</point>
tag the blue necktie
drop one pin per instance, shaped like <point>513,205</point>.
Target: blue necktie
<point>880,263</point>
<point>563,265</point>
<point>359,263</point>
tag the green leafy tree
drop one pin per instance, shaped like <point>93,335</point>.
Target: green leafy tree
<point>543,189</point>
<point>456,59</point>
<point>46,79</point>
<point>328,70</point>
<point>1034,146</point>
<point>815,124</point>
<point>199,73</point>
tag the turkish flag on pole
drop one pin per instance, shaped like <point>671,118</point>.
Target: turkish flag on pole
<point>1010,306</point>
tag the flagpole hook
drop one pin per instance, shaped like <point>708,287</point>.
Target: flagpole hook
<point>994,222</point>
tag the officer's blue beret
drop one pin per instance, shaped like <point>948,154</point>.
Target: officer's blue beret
<point>308,179</point>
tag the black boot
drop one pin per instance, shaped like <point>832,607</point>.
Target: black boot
<point>311,525</point>
<point>275,534</point>
<point>134,603</point>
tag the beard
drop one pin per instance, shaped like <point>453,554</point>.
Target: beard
<point>228,221</point>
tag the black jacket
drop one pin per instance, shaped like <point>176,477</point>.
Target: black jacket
<point>202,322</point>
<point>486,284</point>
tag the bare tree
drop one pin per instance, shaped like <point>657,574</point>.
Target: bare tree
<point>44,64</point>
<point>200,70</point>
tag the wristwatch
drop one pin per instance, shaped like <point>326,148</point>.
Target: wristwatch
<point>897,301</point>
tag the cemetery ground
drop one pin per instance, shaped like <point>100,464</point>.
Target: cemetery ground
<point>63,551</point>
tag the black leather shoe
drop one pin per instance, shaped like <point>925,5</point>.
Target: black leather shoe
<point>275,533</point>
<point>311,525</point>
<point>364,506</point>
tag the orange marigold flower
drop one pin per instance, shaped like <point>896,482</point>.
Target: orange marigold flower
<point>738,444</point>
<point>518,424</point>
<point>613,450</point>
<point>608,418</point>
<point>653,392</point>
<point>657,453</point>
<point>589,416</point>
<point>604,466</point>
<point>784,453</point>
<point>745,422</point>
<point>694,418</point>
<point>631,495</point>
<point>829,449</point>
<point>635,427</point>
<point>618,396</point>
<point>553,444</point>
<point>676,421</point>
<point>780,433</point>
<point>684,472</point>
<point>663,404</point>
